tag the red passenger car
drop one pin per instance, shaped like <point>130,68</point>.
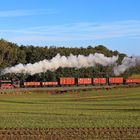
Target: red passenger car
<point>84,81</point>
<point>116,80</point>
<point>99,81</point>
<point>49,84</point>
<point>132,80</point>
<point>32,84</point>
<point>66,81</point>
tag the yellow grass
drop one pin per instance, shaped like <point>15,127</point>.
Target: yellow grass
<point>135,76</point>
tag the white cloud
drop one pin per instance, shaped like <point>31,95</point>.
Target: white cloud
<point>20,12</point>
<point>75,32</point>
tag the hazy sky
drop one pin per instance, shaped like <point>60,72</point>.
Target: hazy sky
<point>113,23</point>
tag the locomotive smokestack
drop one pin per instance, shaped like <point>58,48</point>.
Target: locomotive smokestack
<point>71,61</point>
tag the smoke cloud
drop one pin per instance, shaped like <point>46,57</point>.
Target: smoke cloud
<point>71,61</point>
<point>127,63</point>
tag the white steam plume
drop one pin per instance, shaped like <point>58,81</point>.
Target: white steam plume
<point>127,63</point>
<point>62,61</point>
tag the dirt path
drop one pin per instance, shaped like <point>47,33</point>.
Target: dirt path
<point>69,133</point>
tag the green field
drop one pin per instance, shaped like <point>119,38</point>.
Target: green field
<point>118,107</point>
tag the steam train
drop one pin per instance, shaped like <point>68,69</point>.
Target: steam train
<point>69,81</point>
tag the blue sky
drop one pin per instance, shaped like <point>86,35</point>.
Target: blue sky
<point>70,23</point>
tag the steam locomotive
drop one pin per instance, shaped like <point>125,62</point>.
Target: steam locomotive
<point>69,81</point>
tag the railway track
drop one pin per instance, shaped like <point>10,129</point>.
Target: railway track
<point>62,89</point>
<point>58,89</point>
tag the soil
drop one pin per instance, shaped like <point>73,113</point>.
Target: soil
<point>69,133</point>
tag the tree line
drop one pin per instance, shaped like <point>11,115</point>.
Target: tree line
<point>12,54</point>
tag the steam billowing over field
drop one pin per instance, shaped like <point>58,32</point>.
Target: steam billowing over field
<point>73,61</point>
<point>127,63</point>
